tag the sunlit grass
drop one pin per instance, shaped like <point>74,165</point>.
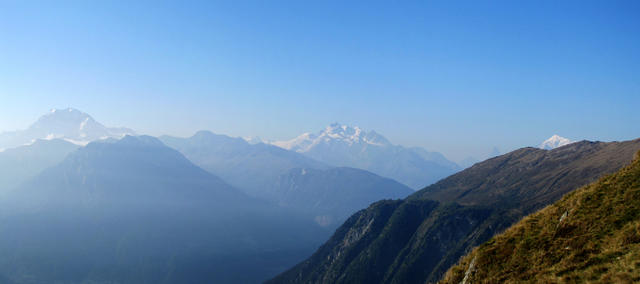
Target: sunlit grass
<point>597,241</point>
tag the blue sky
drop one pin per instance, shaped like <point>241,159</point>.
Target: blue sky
<point>456,78</point>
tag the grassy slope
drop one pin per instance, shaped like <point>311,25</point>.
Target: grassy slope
<point>494,194</point>
<point>597,240</point>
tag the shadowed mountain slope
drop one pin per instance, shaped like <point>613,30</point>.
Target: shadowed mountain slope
<point>287,178</point>
<point>136,211</point>
<point>251,168</point>
<point>334,194</point>
<point>528,177</point>
<point>24,162</point>
<point>418,239</point>
<point>590,235</point>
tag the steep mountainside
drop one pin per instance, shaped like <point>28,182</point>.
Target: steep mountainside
<point>136,211</point>
<point>333,195</point>
<point>591,235</point>
<point>21,163</point>
<point>251,168</point>
<point>418,239</point>
<point>69,124</point>
<point>346,146</point>
<point>528,177</point>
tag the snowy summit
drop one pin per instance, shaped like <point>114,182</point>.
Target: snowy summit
<point>334,133</point>
<point>351,146</point>
<point>554,141</point>
<point>68,124</point>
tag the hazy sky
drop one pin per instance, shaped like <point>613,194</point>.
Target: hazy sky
<point>459,79</point>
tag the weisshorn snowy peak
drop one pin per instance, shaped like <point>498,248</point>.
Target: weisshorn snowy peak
<point>68,124</point>
<point>554,141</point>
<point>346,146</point>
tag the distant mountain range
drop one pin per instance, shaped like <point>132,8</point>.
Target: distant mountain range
<point>81,202</point>
<point>417,239</point>
<point>287,178</point>
<point>252,168</point>
<point>22,163</point>
<point>136,211</point>
<point>68,124</point>
<point>346,146</point>
<point>259,170</point>
<point>333,194</point>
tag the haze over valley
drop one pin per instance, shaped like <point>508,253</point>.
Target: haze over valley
<point>319,142</point>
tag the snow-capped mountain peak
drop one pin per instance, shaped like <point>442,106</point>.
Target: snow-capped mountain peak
<point>351,146</point>
<point>255,140</point>
<point>554,141</point>
<point>342,132</point>
<point>334,133</point>
<point>353,135</point>
<point>69,124</point>
<point>301,143</point>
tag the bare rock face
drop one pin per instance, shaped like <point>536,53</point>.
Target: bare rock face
<point>469,272</point>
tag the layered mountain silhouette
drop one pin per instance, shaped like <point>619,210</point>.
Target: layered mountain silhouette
<point>592,235</point>
<point>252,168</point>
<point>136,211</point>
<point>334,194</point>
<point>19,164</point>
<point>84,203</point>
<point>417,239</point>
<point>346,146</point>
<point>287,178</point>
<point>68,124</point>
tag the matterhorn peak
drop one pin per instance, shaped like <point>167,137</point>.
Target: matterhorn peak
<point>554,141</point>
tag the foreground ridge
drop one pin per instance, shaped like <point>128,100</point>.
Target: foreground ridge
<point>418,239</point>
<point>590,235</point>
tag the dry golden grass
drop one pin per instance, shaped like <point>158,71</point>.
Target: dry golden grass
<point>597,240</point>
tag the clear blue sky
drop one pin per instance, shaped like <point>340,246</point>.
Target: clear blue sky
<point>456,78</point>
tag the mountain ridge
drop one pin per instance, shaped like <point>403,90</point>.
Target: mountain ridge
<point>234,159</point>
<point>399,252</point>
<point>68,124</point>
<point>334,194</point>
<point>23,162</point>
<point>591,235</point>
<point>136,211</point>
<point>346,146</point>
<point>287,178</point>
